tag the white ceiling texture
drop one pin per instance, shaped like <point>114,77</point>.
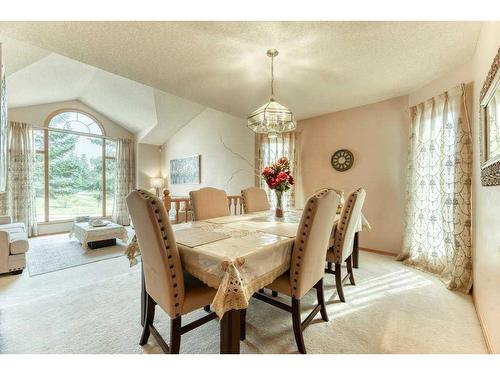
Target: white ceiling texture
<point>154,77</point>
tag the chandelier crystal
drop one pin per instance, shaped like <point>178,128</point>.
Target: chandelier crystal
<point>272,118</point>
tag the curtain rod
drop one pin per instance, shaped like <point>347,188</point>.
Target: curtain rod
<point>77,133</point>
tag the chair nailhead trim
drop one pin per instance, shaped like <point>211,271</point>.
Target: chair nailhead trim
<point>164,235</point>
<point>343,224</point>
<point>312,203</point>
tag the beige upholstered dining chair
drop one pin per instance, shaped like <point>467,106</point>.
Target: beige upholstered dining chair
<point>208,203</point>
<point>254,199</point>
<point>307,262</point>
<point>343,243</point>
<point>175,291</point>
<point>340,192</point>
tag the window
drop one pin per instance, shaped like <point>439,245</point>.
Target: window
<point>75,168</point>
<point>269,151</point>
<point>77,122</point>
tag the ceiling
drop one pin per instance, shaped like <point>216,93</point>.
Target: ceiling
<point>322,66</point>
<point>36,76</point>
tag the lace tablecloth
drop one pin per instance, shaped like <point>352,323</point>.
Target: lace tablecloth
<point>256,253</point>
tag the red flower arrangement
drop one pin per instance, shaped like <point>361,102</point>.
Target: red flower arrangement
<point>278,176</point>
<point>279,179</point>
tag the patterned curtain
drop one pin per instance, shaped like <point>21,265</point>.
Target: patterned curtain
<point>20,199</point>
<point>438,222</point>
<point>124,180</point>
<point>271,149</point>
<point>3,127</point>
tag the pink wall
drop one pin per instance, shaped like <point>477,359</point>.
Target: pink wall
<point>486,200</point>
<point>377,135</point>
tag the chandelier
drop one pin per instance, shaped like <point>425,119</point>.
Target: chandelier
<point>272,118</point>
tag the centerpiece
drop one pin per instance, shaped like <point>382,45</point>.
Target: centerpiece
<point>279,179</point>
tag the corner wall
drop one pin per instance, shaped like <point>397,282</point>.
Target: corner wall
<point>486,205</point>
<point>148,165</point>
<point>377,135</point>
<point>226,147</point>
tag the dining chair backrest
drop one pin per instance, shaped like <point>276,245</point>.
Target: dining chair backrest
<point>160,257</point>
<point>254,199</point>
<point>340,192</point>
<point>311,243</point>
<point>208,203</point>
<point>347,225</point>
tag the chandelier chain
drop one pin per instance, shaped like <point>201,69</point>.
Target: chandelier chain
<point>272,77</point>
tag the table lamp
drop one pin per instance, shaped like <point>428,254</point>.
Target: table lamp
<point>157,183</point>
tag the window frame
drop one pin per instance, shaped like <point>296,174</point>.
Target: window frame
<point>45,152</point>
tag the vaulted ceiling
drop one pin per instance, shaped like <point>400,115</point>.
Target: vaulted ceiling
<point>152,77</point>
<point>36,76</point>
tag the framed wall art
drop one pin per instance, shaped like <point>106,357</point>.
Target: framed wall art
<point>185,170</point>
<point>490,125</point>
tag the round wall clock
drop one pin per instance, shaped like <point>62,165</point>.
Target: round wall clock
<point>342,160</point>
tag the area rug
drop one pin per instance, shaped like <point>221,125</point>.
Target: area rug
<point>54,253</point>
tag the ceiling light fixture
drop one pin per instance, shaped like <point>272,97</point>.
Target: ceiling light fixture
<point>272,118</point>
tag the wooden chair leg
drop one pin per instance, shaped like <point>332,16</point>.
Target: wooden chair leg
<point>355,251</point>
<point>143,297</point>
<point>274,294</point>
<point>175,335</point>
<point>338,281</point>
<point>243,324</point>
<point>149,316</point>
<point>348,262</point>
<point>207,308</point>
<point>297,325</point>
<point>321,300</point>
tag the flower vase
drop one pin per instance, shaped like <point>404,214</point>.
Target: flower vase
<point>279,203</point>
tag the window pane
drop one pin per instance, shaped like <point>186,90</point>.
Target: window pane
<point>94,129</point>
<point>110,185</point>
<point>77,126</point>
<point>75,121</point>
<point>39,177</point>
<point>110,148</point>
<point>39,136</point>
<point>57,122</point>
<point>75,176</point>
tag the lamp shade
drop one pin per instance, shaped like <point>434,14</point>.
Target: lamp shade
<point>157,182</point>
<point>272,118</point>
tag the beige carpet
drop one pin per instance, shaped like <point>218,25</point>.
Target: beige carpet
<point>392,309</point>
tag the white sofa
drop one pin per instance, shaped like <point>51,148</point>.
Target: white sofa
<point>13,246</point>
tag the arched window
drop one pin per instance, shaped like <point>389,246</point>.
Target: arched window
<point>75,121</point>
<point>75,167</point>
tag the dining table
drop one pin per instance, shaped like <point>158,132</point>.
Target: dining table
<point>239,255</point>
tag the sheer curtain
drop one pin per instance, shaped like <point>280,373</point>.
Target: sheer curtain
<point>271,149</point>
<point>438,222</point>
<point>20,198</point>
<point>124,180</point>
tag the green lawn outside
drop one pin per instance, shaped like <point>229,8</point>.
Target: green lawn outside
<point>79,204</point>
